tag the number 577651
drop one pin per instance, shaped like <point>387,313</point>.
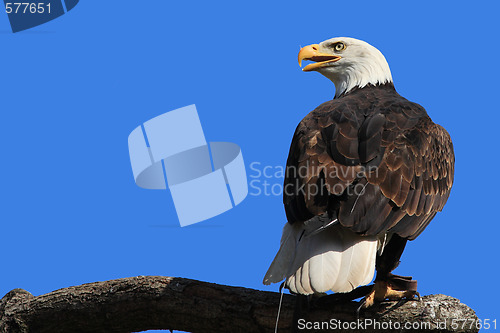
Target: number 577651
<point>27,7</point>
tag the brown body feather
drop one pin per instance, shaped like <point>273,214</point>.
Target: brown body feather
<point>372,159</point>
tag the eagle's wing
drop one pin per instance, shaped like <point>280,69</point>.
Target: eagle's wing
<point>387,169</point>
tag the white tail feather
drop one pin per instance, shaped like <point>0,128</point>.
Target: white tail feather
<point>334,259</point>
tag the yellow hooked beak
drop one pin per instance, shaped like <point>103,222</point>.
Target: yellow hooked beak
<point>310,52</point>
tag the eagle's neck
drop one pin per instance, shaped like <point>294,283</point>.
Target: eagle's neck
<point>363,74</point>
<point>369,89</point>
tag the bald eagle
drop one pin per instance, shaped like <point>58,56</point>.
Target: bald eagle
<point>366,172</point>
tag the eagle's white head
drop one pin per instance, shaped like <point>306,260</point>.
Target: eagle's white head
<point>347,62</point>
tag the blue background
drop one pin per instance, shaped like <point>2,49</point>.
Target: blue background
<point>73,89</point>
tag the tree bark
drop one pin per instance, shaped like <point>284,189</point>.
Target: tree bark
<point>155,302</point>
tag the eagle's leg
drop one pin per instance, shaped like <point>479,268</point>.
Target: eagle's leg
<point>388,285</point>
<point>393,288</point>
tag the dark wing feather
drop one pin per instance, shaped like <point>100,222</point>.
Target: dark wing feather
<point>372,159</point>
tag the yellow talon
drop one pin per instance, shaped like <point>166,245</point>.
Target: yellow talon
<point>383,290</point>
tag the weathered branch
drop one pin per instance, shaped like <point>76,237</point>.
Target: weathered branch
<point>155,302</point>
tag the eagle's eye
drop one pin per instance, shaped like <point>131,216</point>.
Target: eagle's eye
<point>339,46</point>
